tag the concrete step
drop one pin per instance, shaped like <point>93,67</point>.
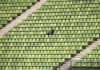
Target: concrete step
<point>66,65</point>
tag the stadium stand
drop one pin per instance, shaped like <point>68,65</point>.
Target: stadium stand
<point>27,47</point>
<point>10,9</point>
<point>90,61</point>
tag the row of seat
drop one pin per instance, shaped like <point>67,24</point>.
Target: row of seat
<point>34,48</point>
<point>35,56</point>
<point>57,32</point>
<point>45,43</point>
<point>32,60</point>
<point>64,17</point>
<point>29,64</point>
<point>94,64</point>
<point>74,1</point>
<point>72,13</point>
<point>22,36</point>
<point>46,40</point>
<point>35,28</point>
<point>71,5</point>
<point>38,52</point>
<point>64,21</point>
<point>71,25</point>
<point>8,19</point>
<point>70,2</point>
<point>68,10</point>
<point>10,11</point>
<point>18,1</point>
<point>71,9</point>
<point>13,8</point>
<point>16,4</point>
<point>7,15</point>
<point>26,68</point>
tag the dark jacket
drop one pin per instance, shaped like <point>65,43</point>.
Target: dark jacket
<point>51,31</point>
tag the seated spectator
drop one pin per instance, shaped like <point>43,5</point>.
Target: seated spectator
<point>50,32</point>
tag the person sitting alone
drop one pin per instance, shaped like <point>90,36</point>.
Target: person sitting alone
<point>50,32</point>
